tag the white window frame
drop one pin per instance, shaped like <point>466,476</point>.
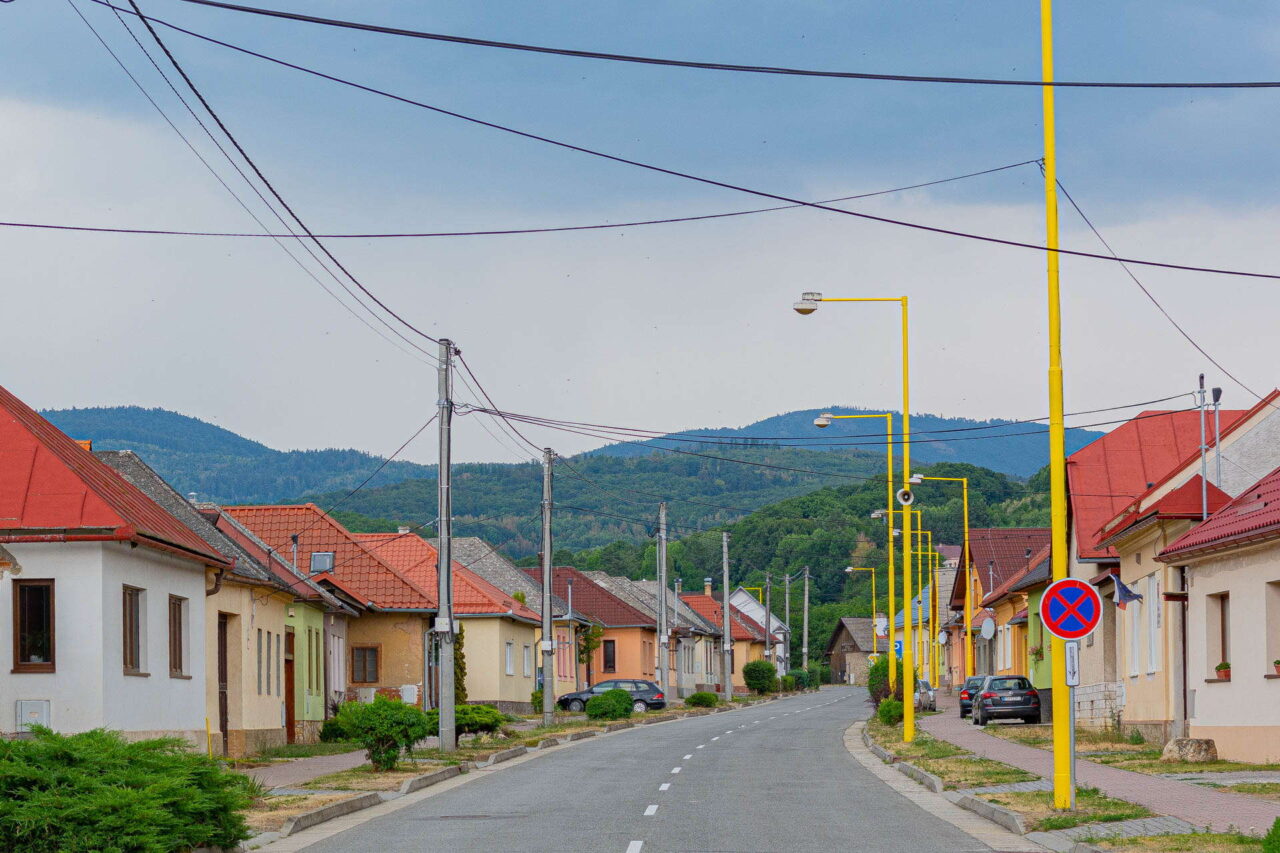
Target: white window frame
<point>511,658</point>
<point>1153,623</point>
<point>528,660</point>
<point>1135,635</point>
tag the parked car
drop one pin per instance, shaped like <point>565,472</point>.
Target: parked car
<point>645,695</point>
<point>971,685</point>
<point>1001,697</point>
<point>926,696</point>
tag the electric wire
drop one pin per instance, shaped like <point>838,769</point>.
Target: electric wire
<point>885,220</point>
<point>722,66</point>
<point>103,229</point>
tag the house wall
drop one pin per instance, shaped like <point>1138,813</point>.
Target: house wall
<point>255,717</point>
<point>1040,670</point>
<point>335,662</point>
<point>566,659</point>
<point>307,622</point>
<point>1010,640</point>
<point>487,679</point>
<point>399,638</point>
<point>1100,698</point>
<point>1242,715</point>
<point>635,650</point>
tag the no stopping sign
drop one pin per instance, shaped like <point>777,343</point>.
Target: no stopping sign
<point>1070,609</point>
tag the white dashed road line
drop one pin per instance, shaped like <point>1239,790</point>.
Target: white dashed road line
<point>650,811</point>
<point>717,737</point>
<point>687,757</point>
<point>701,746</point>
<point>664,786</point>
<point>675,769</point>
<point>635,847</point>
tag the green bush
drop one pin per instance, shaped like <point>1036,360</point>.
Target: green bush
<point>878,681</point>
<point>788,683</point>
<point>702,699</point>
<point>535,699</point>
<point>760,676</point>
<point>468,719</point>
<point>816,678</point>
<point>384,727</point>
<point>1135,737</point>
<point>332,730</point>
<point>800,676</point>
<point>890,711</point>
<point>97,791</point>
<point>610,705</point>
<point>1271,841</point>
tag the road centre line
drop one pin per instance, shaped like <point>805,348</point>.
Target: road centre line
<point>675,769</point>
<point>701,746</point>
<point>664,786</point>
<point>717,737</point>
<point>687,757</point>
<point>651,811</point>
<point>635,847</point>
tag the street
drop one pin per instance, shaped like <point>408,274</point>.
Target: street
<point>769,778</point>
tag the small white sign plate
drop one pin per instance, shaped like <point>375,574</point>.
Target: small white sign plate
<point>1072,656</point>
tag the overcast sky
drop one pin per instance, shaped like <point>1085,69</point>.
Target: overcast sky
<point>671,326</point>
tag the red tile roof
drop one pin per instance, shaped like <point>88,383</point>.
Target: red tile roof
<point>53,489</point>
<point>1109,474</point>
<point>741,626</point>
<point>356,570</point>
<point>1186,501</point>
<point>418,560</point>
<point>998,553</point>
<point>593,600</point>
<point>1011,581</point>
<point>1252,517</point>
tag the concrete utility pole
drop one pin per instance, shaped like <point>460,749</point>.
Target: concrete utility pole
<point>806,618</point>
<point>548,631</point>
<point>662,597</point>
<point>786,617</point>
<point>675,624</point>
<point>726,640</point>
<point>444,572</point>
<point>768,618</point>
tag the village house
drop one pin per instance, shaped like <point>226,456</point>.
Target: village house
<point>753,608</point>
<point>849,650</point>
<point>105,590</point>
<point>628,642</point>
<point>747,637</point>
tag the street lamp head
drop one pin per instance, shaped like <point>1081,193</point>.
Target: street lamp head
<point>878,514</point>
<point>823,420</point>
<point>849,570</point>
<point>916,479</point>
<point>808,302</point>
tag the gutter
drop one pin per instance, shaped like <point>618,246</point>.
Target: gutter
<point>217,580</point>
<point>1253,537</point>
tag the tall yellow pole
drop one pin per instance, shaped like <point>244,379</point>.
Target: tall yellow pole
<point>908,658</point>
<point>968,668</point>
<point>888,481</point>
<point>1064,794</point>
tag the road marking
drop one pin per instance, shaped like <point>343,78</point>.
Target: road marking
<point>635,847</point>
<point>675,769</point>
<point>687,757</point>
<point>650,811</point>
<point>664,786</point>
<point>717,737</point>
<point>729,732</point>
<point>701,746</point>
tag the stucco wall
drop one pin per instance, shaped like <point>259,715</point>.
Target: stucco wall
<point>635,657</point>
<point>399,637</point>
<point>485,650</point>
<point>308,667</point>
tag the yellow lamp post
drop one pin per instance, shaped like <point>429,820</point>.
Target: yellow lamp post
<point>967,668</point>
<point>824,421</point>
<point>875,643</point>
<point>809,303</point>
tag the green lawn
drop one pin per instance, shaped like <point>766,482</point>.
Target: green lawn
<point>1092,806</point>
<point>308,750</point>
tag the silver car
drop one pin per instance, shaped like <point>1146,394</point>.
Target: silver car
<point>926,696</point>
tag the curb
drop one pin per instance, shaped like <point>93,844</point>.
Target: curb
<point>578,736</point>
<point>505,755</point>
<point>665,718</point>
<point>877,750</point>
<point>419,782</point>
<point>924,777</point>
<point>617,727</point>
<point>1010,820</point>
<point>306,820</point>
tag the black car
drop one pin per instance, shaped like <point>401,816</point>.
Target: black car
<point>1002,697</point>
<point>645,695</point>
<point>971,685</point>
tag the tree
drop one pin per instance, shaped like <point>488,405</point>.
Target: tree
<point>459,667</point>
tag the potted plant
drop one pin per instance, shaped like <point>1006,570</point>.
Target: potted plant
<point>1276,664</point>
<point>1224,671</point>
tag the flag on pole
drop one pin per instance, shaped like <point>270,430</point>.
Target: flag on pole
<point>1124,595</point>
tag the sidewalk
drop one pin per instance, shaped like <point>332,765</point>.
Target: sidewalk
<point>1195,804</point>
<point>286,774</point>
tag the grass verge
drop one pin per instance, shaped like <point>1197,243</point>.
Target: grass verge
<point>365,778</point>
<point>269,814</point>
<point>306,750</point>
<point>962,772</point>
<point>1092,806</point>
<point>1205,842</point>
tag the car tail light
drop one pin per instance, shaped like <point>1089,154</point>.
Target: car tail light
<point>1033,696</point>
<point>964,694</point>
<point>658,696</point>
<point>989,695</point>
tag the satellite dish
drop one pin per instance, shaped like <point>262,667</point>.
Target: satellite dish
<point>942,638</point>
<point>9,563</point>
<point>987,629</point>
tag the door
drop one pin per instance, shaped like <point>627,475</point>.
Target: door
<point>288,686</point>
<point>223,714</point>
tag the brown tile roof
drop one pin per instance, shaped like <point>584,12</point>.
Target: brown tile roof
<point>593,600</point>
<point>998,553</point>
<point>860,628</point>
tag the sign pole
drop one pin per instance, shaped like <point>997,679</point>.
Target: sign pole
<point>1069,610</point>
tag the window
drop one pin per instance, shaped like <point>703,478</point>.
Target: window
<point>311,656</point>
<point>33,645</point>
<point>260,660</point>
<point>177,636</point>
<point>528,661</point>
<point>268,663</point>
<point>321,561</point>
<point>279,664</point>
<point>364,664</point>
<point>1134,627</point>
<point>609,652</point>
<point>1273,621</point>
<point>1154,607</point>
<point>562,656</point>
<point>510,660</point>
<point>133,633</point>
<point>1217,631</point>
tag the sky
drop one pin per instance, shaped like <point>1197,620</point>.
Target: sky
<point>665,327</point>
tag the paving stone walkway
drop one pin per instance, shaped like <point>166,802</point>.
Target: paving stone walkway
<point>291,773</point>
<point>1012,788</point>
<point>1198,805</point>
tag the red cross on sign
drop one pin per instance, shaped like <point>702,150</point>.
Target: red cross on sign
<point>1070,609</point>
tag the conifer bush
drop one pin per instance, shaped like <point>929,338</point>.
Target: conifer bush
<point>760,676</point>
<point>468,719</point>
<point>890,712</point>
<point>702,699</point>
<point>97,791</point>
<point>610,705</point>
<point>385,728</point>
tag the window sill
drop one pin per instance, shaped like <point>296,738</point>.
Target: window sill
<point>135,673</point>
<point>33,667</point>
<point>181,675</point>
<point>1217,681</point>
<point>1272,675</point>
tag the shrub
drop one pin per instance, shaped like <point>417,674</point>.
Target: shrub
<point>332,730</point>
<point>468,719</point>
<point>384,727</point>
<point>878,681</point>
<point>460,666</point>
<point>702,699</point>
<point>816,677</point>
<point>760,676</point>
<point>788,683</point>
<point>535,699</point>
<point>97,791</point>
<point>610,705</point>
<point>800,676</point>
<point>1135,737</point>
<point>890,711</point>
<point>1271,841</point>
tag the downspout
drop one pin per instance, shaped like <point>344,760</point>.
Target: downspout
<point>1184,721</point>
<point>217,578</point>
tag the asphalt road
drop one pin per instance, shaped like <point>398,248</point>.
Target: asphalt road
<point>775,777</point>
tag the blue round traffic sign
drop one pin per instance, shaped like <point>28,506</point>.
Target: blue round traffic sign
<point>1070,609</point>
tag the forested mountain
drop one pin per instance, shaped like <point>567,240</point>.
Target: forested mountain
<point>1013,448</point>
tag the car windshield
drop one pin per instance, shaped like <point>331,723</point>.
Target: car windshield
<point>1010,684</point>
<point>924,685</point>
<point>972,682</point>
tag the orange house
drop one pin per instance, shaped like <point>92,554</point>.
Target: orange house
<point>629,645</point>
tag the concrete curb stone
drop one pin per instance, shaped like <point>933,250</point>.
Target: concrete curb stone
<point>617,727</point>
<point>1010,820</point>
<point>417,783</point>
<point>546,742</point>
<point>505,755</point>
<point>877,750</point>
<point>924,777</point>
<point>580,736</point>
<point>306,820</point>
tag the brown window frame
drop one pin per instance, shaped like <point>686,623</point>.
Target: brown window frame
<point>376,648</point>
<point>608,649</point>
<point>131,618</point>
<point>44,666</point>
<point>177,637</point>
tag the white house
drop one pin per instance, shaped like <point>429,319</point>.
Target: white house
<point>104,591</point>
<point>753,607</point>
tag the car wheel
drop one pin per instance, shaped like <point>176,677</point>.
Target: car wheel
<point>977,719</point>
<point>576,705</point>
<point>639,706</point>
<point>1031,720</point>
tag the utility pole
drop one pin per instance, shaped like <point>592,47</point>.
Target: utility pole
<point>662,597</point>
<point>675,624</point>
<point>768,618</point>
<point>548,631</point>
<point>726,639</point>
<point>444,572</point>
<point>786,608</point>
<point>806,619</point>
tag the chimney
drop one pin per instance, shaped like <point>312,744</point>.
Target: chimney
<point>706,586</point>
<point>85,443</point>
<point>191,497</point>
<point>403,529</point>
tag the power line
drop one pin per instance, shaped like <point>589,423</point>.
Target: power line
<point>102,229</point>
<point>262,177</point>
<point>722,66</point>
<point>932,229</point>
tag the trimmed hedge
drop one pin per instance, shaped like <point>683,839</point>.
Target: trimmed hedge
<point>890,712</point>
<point>98,791</point>
<point>702,699</point>
<point>801,678</point>
<point>468,719</point>
<point>788,683</point>
<point>760,676</point>
<point>610,705</point>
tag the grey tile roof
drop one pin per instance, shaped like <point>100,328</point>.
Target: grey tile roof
<point>130,466</point>
<point>685,615</point>
<point>859,628</point>
<point>489,563</point>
